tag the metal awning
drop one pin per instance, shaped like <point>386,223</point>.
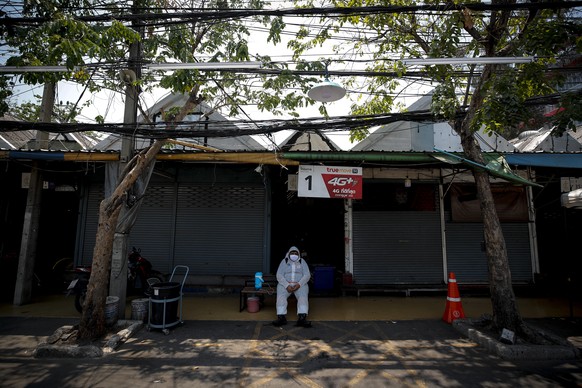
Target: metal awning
<point>545,159</point>
<point>497,167</point>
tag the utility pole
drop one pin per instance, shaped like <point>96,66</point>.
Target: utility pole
<point>27,258</point>
<point>118,277</point>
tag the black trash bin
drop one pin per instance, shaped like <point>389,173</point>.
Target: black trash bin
<point>165,299</point>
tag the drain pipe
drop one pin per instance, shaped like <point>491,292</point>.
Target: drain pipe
<point>348,235</point>
<point>359,156</point>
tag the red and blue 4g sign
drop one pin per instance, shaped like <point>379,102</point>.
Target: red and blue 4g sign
<point>330,182</point>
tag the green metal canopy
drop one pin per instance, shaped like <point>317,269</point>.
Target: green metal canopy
<point>497,167</point>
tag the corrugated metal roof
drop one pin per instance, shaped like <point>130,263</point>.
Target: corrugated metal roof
<point>239,143</point>
<point>308,141</point>
<point>395,136</point>
<point>542,140</point>
<point>24,140</point>
<point>407,136</point>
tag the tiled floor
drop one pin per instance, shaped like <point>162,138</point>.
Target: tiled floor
<point>341,308</point>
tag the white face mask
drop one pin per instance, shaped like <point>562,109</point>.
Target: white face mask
<point>294,257</point>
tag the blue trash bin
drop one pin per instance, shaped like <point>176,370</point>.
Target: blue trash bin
<point>323,278</point>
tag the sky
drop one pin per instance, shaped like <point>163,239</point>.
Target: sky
<point>110,104</point>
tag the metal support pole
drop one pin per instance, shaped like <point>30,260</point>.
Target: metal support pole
<point>27,258</point>
<point>118,277</point>
<point>348,235</point>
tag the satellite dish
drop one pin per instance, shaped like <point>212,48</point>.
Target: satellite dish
<point>327,91</point>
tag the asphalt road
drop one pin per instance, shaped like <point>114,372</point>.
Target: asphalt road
<point>417,353</point>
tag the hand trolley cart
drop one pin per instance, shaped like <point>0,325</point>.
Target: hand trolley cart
<point>165,301</point>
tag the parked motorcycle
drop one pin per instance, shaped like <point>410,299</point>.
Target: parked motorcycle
<point>140,278</point>
<point>140,274</point>
<point>78,286</point>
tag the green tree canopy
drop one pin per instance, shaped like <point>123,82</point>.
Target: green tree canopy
<point>510,91</point>
<point>493,96</point>
<point>94,39</point>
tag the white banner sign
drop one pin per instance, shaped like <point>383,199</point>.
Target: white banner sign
<point>330,182</point>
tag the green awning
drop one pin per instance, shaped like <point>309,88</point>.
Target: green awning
<point>497,167</point>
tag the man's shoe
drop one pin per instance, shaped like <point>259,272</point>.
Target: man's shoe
<point>302,321</point>
<point>281,320</point>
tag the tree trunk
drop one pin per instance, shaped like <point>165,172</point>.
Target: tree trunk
<point>505,312</point>
<point>92,325</point>
<point>93,319</point>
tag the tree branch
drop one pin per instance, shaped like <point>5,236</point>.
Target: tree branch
<point>533,13</point>
<point>469,26</point>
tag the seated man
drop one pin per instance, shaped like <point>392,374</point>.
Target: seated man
<point>292,277</point>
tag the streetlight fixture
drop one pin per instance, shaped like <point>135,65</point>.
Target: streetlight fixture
<point>206,66</point>
<point>327,91</point>
<point>466,61</point>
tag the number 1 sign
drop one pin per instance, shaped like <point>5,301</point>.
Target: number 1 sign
<point>330,182</point>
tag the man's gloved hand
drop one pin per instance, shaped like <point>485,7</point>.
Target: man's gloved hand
<point>293,287</point>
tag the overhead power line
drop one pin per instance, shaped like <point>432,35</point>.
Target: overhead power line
<point>274,71</point>
<point>210,128</point>
<point>233,128</point>
<point>205,14</point>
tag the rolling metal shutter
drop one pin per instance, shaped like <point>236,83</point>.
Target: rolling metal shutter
<point>220,229</point>
<point>88,225</point>
<point>467,260</point>
<point>153,230</point>
<point>213,229</point>
<point>397,247</point>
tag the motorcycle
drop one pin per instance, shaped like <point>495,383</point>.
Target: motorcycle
<point>140,274</point>
<point>140,278</point>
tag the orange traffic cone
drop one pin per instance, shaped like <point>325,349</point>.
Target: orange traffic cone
<point>454,308</point>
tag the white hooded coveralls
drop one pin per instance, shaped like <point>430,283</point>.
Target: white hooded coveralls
<point>290,272</point>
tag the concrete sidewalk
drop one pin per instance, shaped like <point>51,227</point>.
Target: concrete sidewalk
<point>368,341</point>
<point>420,353</point>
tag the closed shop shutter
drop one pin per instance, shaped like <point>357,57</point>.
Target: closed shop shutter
<point>466,257</point>
<point>397,247</point>
<point>153,230</point>
<point>88,229</point>
<point>220,229</point>
<point>151,233</point>
<point>213,229</point>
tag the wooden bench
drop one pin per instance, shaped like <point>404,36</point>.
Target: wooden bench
<point>406,290</point>
<point>269,288</point>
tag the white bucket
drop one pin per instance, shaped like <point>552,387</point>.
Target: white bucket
<point>111,310</point>
<point>139,309</point>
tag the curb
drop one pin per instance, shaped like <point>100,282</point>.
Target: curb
<point>127,328</point>
<point>566,351</point>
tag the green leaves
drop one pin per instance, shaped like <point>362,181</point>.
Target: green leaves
<point>277,26</point>
<point>66,41</point>
<point>567,113</point>
<point>374,41</point>
<point>499,99</point>
<point>444,100</point>
<point>63,112</point>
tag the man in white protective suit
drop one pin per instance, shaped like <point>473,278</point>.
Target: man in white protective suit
<point>292,277</point>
